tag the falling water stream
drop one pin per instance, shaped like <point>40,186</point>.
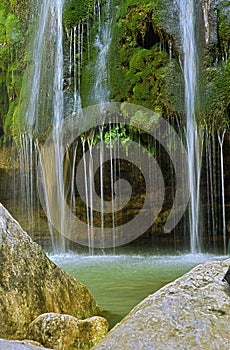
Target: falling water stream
<point>221,141</point>
<point>194,145</point>
<point>40,108</point>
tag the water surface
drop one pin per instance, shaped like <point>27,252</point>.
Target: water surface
<point>119,282</point>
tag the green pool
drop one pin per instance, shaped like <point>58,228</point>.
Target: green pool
<point>119,282</point>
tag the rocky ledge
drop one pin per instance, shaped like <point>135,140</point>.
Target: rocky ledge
<point>193,312</point>
<point>31,285</point>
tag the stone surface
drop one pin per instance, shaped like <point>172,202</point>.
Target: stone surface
<point>193,312</point>
<point>22,345</point>
<point>31,284</point>
<point>65,331</point>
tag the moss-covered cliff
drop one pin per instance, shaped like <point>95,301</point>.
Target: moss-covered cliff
<point>15,19</point>
<point>145,60</point>
<point>144,63</point>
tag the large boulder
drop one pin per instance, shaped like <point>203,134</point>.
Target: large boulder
<point>193,312</point>
<point>31,284</point>
<point>64,331</point>
<point>20,345</point>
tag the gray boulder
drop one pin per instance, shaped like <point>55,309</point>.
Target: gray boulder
<point>67,332</point>
<point>31,284</point>
<point>193,312</point>
<point>20,345</point>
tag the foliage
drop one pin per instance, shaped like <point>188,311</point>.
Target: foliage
<point>215,97</point>
<point>141,69</point>
<point>224,22</point>
<point>23,9</point>
<point>15,17</point>
<point>13,29</point>
<point>76,11</point>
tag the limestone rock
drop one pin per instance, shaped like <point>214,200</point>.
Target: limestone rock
<point>67,332</point>
<point>19,345</point>
<point>31,284</point>
<point>193,312</point>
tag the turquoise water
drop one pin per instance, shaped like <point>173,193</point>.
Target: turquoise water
<point>119,282</point>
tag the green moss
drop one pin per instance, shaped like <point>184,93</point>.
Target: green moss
<point>141,71</point>
<point>23,9</point>
<point>215,97</point>
<point>13,30</point>
<point>224,22</point>
<point>76,11</point>
<point>15,16</point>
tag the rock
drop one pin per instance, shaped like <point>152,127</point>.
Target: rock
<point>65,331</point>
<point>193,312</point>
<point>17,345</point>
<point>31,284</point>
<point>227,276</point>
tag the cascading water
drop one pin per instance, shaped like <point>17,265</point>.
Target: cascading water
<point>221,141</point>
<point>99,95</point>
<point>44,109</point>
<point>32,116</point>
<point>194,146</point>
<point>48,100</point>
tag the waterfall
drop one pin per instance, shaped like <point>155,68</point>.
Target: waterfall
<point>100,93</point>
<point>221,141</point>
<point>78,32</point>
<point>47,100</point>
<point>211,187</point>
<point>194,146</point>
<point>45,106</point>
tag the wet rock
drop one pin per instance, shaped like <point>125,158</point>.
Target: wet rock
<point>16,345</point>
<point>65,331</point>
<point>31,284</point>
<point>193,312</point>
<point>227,276</point>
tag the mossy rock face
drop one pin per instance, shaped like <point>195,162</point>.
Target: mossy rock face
<point>143,62</point>
<point>13,28</point>
<point>214,80</point>
<point>224,22</point>
<point>15,17</point>
<point>23,9</point>
<point>75,12</point>
<point>215,99</point>
<point>144,59</point>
